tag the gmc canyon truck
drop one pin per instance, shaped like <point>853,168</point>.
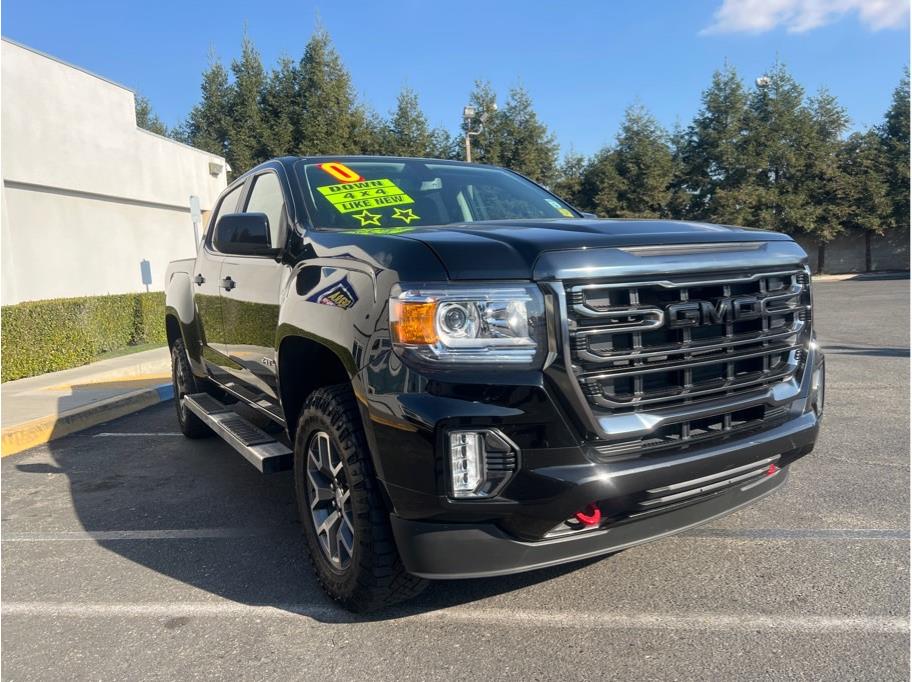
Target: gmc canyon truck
<point>469,377</point>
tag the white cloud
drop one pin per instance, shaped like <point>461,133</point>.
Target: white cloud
<point>798,16</point>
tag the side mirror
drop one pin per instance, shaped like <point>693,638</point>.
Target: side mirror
<point>244,234</point>
<point>590,216</point>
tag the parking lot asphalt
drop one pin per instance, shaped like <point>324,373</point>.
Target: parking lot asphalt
<point>129,552</point>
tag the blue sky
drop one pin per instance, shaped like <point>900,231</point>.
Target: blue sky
<point>583,62</point>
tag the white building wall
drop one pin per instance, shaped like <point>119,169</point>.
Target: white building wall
<point>86,194</point>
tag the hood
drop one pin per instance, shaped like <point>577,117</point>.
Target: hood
<point>511,249</point>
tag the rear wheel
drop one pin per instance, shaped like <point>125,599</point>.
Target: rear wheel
<point>345,523</point>
<point>185,383</point>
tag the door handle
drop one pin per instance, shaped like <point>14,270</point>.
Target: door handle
<point>228,284</point>
<point>199,280</point>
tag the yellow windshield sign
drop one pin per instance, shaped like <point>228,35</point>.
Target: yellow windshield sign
<point>360,196</point>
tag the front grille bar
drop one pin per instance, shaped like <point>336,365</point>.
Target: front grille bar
<point>686,348</point>
<point>672,367</point>
<point>727,387</point>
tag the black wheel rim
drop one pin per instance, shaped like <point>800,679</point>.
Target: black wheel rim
<point>330,501</point>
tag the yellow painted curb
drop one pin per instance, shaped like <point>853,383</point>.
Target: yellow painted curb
<point>44,429</point>
<point>160,376</point>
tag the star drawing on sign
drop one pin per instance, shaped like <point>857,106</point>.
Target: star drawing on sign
<point>367,218</point>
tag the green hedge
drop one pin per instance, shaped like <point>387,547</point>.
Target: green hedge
<point>46,336</point>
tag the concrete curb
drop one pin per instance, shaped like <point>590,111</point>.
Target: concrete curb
<point>44,429</point>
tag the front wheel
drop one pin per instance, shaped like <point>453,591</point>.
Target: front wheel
<point>345,523</point>
<point>185,384</point>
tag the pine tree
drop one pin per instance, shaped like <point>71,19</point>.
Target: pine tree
<point>569,184</point>
<point>680,196</point>
<point>246,143</point>
<point>278,108</point>
<point>208,125</point>
<point>445,146</point>
<point>825,182</point>
<point>868,201</point>
<point>601,185</point>
<point>712,172</point>
<point>407,132</point>
<point>642,159</point>
<point>368,131</point>
<point>331,122</point>
<point>894,134</point>
<point>525,145</point>
<point>778,146</point>
<point>146,118</point>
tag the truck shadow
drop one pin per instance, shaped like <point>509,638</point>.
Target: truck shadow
<point>196,512</point>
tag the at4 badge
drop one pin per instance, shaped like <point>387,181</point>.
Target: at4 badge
<point>341,295</point>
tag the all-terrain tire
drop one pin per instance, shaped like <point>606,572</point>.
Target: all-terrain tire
<point>374,576</point>
<point>185,383</point>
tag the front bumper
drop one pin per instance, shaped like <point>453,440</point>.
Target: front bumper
<point>524,526</point>
<point>447,550</point>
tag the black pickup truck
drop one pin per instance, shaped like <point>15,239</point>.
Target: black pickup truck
<point>469,377</point>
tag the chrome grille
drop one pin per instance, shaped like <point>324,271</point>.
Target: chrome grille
<point>628,355</point>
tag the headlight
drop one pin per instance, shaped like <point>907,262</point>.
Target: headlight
<point>478,324</point>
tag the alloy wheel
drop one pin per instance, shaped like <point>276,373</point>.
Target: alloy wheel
<point>330,501</point>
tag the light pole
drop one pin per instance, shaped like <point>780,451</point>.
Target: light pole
<point>468,116</point>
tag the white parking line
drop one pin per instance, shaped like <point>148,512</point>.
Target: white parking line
<point>739,534</point>
<point>796,534</point>
<point>170,534</point>
<point>476,616</point>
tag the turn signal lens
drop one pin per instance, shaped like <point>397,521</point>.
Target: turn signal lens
<point>412,322</point>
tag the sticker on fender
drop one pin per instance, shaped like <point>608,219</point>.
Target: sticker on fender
<point>355,196</point>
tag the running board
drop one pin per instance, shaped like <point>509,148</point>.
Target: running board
<point>259,448</point>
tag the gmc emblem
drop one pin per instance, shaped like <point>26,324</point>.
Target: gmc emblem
<point>698,313</point>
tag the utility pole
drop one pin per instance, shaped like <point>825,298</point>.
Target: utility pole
<point>468,116</point>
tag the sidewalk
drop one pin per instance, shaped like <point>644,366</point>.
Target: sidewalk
<point>39,409</point>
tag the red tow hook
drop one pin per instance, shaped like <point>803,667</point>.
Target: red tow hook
<point>590,516</point>
<point>772,470</point>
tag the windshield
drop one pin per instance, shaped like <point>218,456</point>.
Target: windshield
<point>396,195</point>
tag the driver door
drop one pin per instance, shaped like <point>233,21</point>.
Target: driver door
<point>250,302</point>
<point>206,283</point>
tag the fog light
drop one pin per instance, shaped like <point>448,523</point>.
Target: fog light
<point>466,463</point>
<point>481,462</point>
